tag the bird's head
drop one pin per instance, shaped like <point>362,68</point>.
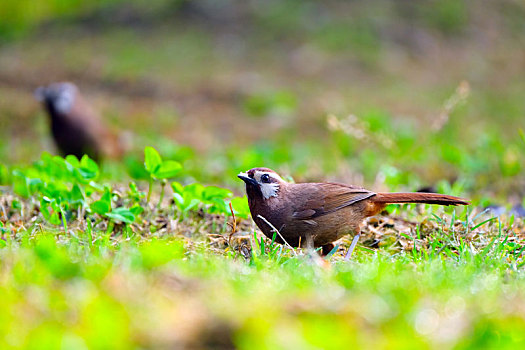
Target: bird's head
<point>262,181</point>
<point>59,96</point>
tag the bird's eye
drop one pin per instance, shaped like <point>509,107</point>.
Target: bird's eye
<point>265,178</point>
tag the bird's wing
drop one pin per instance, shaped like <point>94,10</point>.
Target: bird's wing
<point>328,198</point>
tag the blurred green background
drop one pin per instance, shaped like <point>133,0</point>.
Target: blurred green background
<point>393,95</point>
<point>388,94</point>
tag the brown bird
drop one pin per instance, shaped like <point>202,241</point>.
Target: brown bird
<point>77,129</point>
<point>317,214</point>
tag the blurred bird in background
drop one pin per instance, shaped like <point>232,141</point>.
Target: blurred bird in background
<point>76,128</point>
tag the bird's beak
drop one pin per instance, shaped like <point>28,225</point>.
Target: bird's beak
<point>244,177</point>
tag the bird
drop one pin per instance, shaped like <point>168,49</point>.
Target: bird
<point>76,128</point>
<point>317,214</point>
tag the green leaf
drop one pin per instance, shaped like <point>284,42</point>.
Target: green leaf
<point>61,168</point>
<point>136,210</point>
<point>219,206</point>
<point>213,192</point>
<point>178,199</point>
<point>36,185</point>
<point>240,207</point>
<point>177,188</point>
<point>121,214</point>
<point>71,159</point>
<point>152,160</point>
<point>192,204</point>
<point>167,169</point>
<point>135,168</point>
<point>194,190</point>
<point>100,207</point>
<point>96,186</point>
<point>88,168</point>
<point>103,205</point>
<point>76,194</point>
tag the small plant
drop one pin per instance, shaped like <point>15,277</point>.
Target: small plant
<point>212,199</point>
<point>103,207</point>
<point>158,169</point>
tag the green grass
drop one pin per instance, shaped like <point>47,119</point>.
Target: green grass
<point>139,253</point>
<point>164,292</point>
<point>89,265</point>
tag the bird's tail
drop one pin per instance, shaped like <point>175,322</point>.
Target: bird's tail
<point>416,197</point>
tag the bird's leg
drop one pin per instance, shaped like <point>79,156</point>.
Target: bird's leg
<point>352,246</point>
<point>309,242</point>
